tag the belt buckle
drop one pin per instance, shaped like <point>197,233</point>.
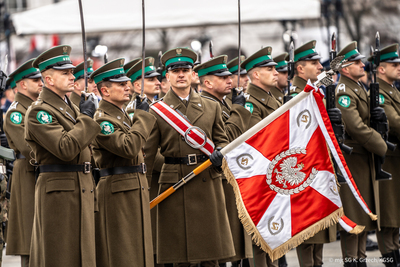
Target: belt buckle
<point>87,167</point>
<point>144,167</point>
<point>192,159</point>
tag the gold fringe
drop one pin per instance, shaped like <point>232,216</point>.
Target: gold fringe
<point>373,216</point>
<point>251,229</point>
<point>358,229</point>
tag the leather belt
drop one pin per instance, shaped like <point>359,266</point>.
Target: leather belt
<point>85,168</point>
<point>122,170</point>
<point>19,156</point>
<point>190,159</point>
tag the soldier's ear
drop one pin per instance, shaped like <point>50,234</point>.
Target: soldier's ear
<point>105,91</point>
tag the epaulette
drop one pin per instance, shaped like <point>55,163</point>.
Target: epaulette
<point>13,105</point>
<point>209,98</point>
<point>161,99</point>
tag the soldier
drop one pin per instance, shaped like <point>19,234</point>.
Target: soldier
<point>306,67</point>
<point>261,103</point>
<point>127,66</point>
<point>279,90</point>
<point>244,78</point>
<point>29,84</point>
<point>123,233</point>
<point>388,72</point>
<point>216,82</point>
<point>352,100</point>
<point>192,224</point>
<point>59,135</point>
<point>79,82</point>
<point>164,84</point>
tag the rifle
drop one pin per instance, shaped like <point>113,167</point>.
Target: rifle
<point>290,68</point>
<point>338,129</point>
<point>160,66</point>
<point>381,127</point>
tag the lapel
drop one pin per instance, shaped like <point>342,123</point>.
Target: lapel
<point>355,87</point>
<point>116,113</point>
<point>266,99</point>
<point>299,82</point>
<point>194,109</point>
<point>23,100</point>
<point>59,104</point>
<point>224,106</point>
<point>278,94</point>
<point>390,91</point>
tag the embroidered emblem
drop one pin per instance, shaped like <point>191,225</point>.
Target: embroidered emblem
<point>225,59</point>
<point>244,161</point>
<point>269,50</point>
<point>304,118</point>
<point>333,187</point>
<point>249,107</point>
<point>381,99</point>
<point>121,63</point>
<point>106,128</point>
<point>294,94</point>
<point>344,101</point>
<point>151,61</point>
<point>274,227</point>
<point>131,115</point>
<point>289,179</point>
<point>178,52</point>
<point>341,86</point>
<point>13,105</point>
<point>65,49</point>
<point>43,117</point>
<point>16,117</point>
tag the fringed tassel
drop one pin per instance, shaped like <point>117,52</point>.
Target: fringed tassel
<point>373,216</point>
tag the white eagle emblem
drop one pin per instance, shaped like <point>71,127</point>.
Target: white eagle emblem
<point>290,173</point>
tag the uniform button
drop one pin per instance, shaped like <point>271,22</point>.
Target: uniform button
<point>142,187</point>
<point>91,191</point>
<point>83,190</point>
<point>204,179</point>
<point>183,138</point>
<point>149,188</point>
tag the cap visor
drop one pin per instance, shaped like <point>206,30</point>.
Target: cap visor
<point>357,57</point>
<point>313,58</point>
<point>35,76</point>
<point>242,71</point>
<point>64,67</point>
<point>180,65</point>
<point>151,74</point>
<point>282,69</point>
<point>224,73</point>
<point>267,64</point>
<point>394,60</point>
<point>120,79</point>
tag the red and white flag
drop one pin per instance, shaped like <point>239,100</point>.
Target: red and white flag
<point>283,178</point>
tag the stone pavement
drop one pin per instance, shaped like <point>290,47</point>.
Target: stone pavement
<point>332,257</point>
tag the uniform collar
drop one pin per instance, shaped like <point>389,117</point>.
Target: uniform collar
<point>299,82</point>
<point>24,100</point>
<point>114,111</point>
<point>278,94</point>
<point>54,100</point>
<point>389,89</point>
<point>223,102</point>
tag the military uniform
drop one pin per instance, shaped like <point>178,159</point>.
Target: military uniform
<point>63,227</point>
<point>280,67</point>
<point>192,224</point>
<point>352,100</point>
<point>79,74</point>
<point>236,121</point>
<point>389,100</point>
<point>23,189</point>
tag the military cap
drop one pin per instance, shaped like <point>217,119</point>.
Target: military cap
<point>26,71</point>
<point>389,54</point>
<point>350,52</point>
<point>56,58</point>
<point>112,71</point>
<point>79,70</point>
<point>262,58</point>
<point>215,66</point>
<point>163,71</point>
<point>282,63</point>
<point>179,58</point>
<point>130,64</point>
<point>305,52</point>
<point>233,66</point>
<point>10,82</point>
<point>135,72</point>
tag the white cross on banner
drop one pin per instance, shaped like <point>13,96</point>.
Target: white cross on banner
<point>283,178</point>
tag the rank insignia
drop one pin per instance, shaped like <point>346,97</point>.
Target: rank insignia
<point>16,117</point>
<point>44,117</point>
<point>106,128</point>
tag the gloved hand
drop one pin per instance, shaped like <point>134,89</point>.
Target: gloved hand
<point>87,107</point>
<point>380,159</point>
<point>216,157</point>
<point>141,103</point>
<point>378,114</point>
<point>238,98</point>
<point>335,115</point>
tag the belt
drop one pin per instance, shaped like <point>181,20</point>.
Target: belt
<point>122,170</point>
<point>19,156</point>
<point>85,168</point>
<point>190,159</point>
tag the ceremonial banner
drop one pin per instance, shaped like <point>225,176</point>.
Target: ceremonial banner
<point>283,178</point>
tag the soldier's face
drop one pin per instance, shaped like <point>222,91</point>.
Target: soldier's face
<point>165,85</point>
<point>312,69</point>
<point>268,76</point>
<point>356,70</point>
<point>392,71</point>
<point>196,79</point>
<point>151,86</point>
<point>244,81</point>
<point>221,85</point>
<point>92,88</point>
<point>117,94</point>
<point>282,79</point>
<point>63,81</point>
<point>180,78</point>
<point>34,87</point>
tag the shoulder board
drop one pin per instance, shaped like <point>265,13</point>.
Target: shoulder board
<point>161,99</point>
<point>208,98</point>
<point>13,105</point>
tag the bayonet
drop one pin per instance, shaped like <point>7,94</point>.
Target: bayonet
<point>160,66</point>
<point>84,45</point>
<point>143,49</point>
<point>105,58</point>
<point>211,49</point>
